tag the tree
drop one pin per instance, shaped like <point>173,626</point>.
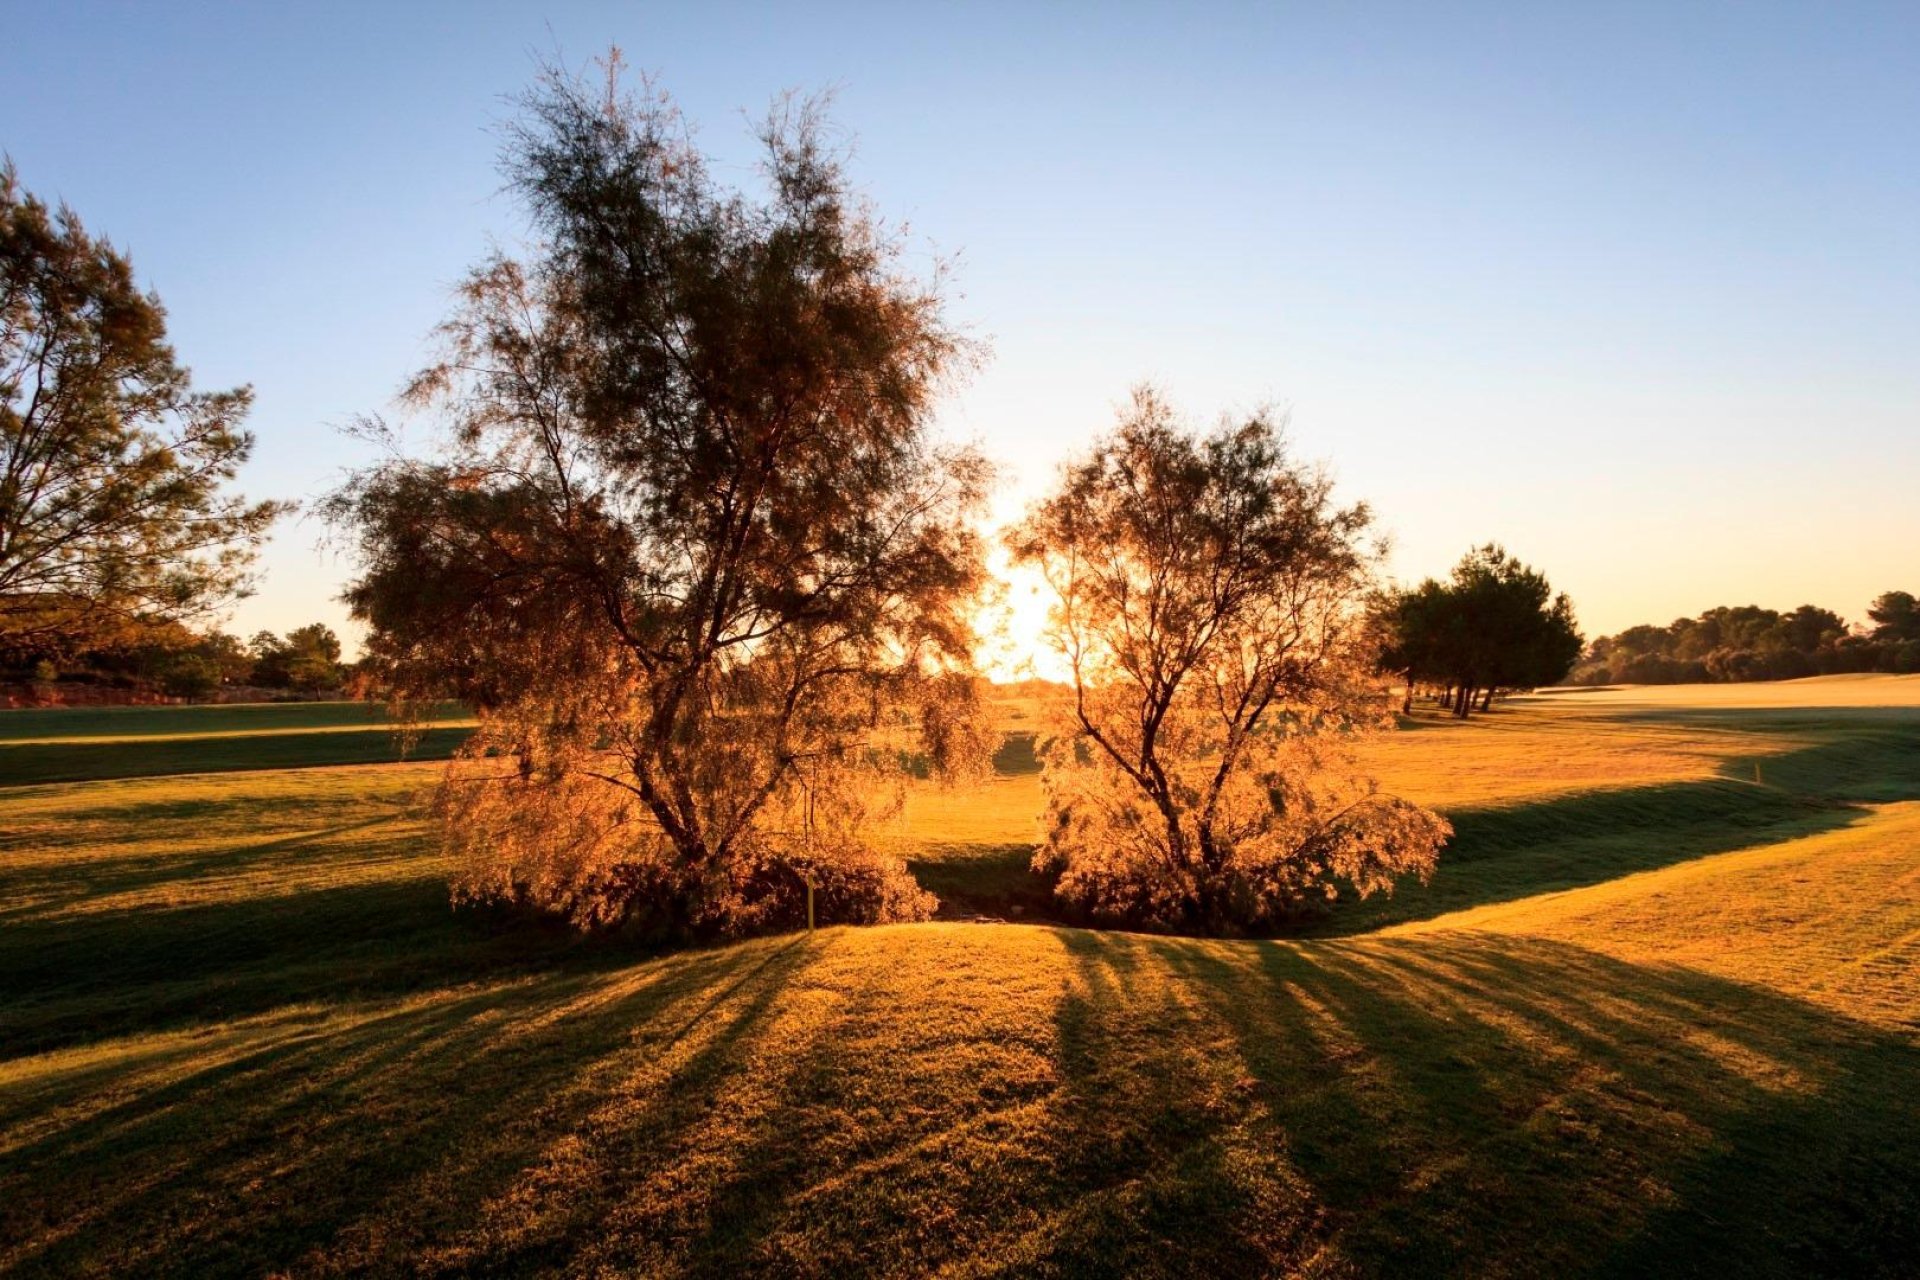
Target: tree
<point>1210,610</point>
<point>1409,631</point>
<point>1494,625</point>
<point>112,468</point>
<point>1747,642</point>
<point>1498,628</point>
<point>691,551</point>
<point>307,660</point>
<point>1895,617</point>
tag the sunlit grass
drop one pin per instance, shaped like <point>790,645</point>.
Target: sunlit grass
<point>1655,1016</point>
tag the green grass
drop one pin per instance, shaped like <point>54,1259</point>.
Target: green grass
<point>1652,1017</point>
<point>97,743</point>
<point>60,724</point>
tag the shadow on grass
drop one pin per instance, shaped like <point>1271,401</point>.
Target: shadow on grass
<point>30,764</point>
<point>1570,842</point>
<point>74,978</point>
<point>1480,1105</point>
<point>404,1120</point>
<point>991,880</point>
<point>1465,1105</point>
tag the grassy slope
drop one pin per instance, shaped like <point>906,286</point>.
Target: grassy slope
<point>1665,1025</point>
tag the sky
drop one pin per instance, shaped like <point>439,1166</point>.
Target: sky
<point>1631,289</point>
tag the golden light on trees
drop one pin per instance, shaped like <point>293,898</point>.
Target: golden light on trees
<point>691,550</point>
<point>1210,609</point>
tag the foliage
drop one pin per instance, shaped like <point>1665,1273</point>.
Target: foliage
<point>1494,625</point>
<point>1895,617</point>
<point>308,659</point>
<point>1748,642</point>
<point>1208,607</point>
<point>689,549</point>
<point>146,655</point>
<point>112,468</point>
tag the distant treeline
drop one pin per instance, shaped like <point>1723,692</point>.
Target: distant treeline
<point>1746,642</point>
<point>174,661</point>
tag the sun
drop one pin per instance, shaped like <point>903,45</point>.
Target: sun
<point>1013,626</point>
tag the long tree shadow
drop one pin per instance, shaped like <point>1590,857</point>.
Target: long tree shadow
<point>1052,1102</point>
<point>75,978</point>
<point>362,1129</point>
<point>1475,1105</point>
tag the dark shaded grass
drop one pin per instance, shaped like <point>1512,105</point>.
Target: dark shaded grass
<point>1516,851</point>
<point>27,764</point>
<point>995,881</point>
<point>237,717</point>
<point>73,980</point>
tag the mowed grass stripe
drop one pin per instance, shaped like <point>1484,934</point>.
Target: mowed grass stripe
<point>47,724</point>
<point>36,763</point>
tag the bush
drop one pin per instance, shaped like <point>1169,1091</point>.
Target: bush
<point>190,676</point>
<point>1290,836</point>
<point>559,841</point>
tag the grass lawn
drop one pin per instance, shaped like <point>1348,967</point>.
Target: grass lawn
<point>1658,1014</point>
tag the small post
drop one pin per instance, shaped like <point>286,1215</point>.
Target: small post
<point>809,878</point>
<point>1756,772</point>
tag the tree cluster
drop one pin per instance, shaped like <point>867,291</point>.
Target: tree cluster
<point>1495,626</point>
<point>1747,642</point>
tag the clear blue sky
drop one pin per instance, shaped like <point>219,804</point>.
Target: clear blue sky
<point>1632,289</point>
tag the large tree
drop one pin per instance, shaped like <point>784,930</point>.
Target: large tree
<point>114,511</point>
<point>689,548</point>
<point>1210,609</point>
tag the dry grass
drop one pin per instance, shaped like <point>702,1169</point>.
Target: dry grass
<point>1654,1017</point>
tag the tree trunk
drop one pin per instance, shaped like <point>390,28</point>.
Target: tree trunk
<point>1463,702</point>
<point>1486,700</point>
<point>1406,703</point>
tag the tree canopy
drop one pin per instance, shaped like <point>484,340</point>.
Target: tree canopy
<point>1209,608</point>
<point>113,470</point>
<point>1496,625</point>
<point>1895,616</point>
<point>690,547</point>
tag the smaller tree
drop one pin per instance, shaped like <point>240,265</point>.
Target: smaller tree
<point>1210,609</point>
<point>271,656</point>
<point>189,675</point>
<point>1409,628</point>
<point>314,663</point>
